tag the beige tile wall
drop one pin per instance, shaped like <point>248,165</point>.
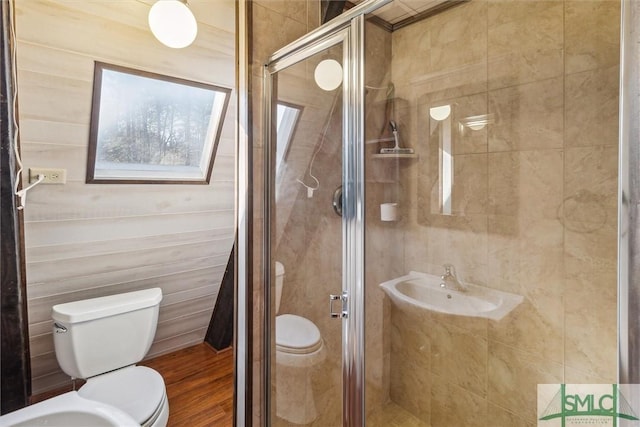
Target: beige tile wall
<point>534,205</point>
<point>383,239</point>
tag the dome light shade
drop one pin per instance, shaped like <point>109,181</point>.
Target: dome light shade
<point>173,23</point>
<point>328,74</point>
<point>478,126</point>
<point>440,113</point>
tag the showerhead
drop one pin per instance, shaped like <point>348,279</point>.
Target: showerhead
<point>396,137</point>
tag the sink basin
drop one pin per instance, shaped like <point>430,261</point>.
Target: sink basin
<point>423,291</point>
<point>68,410</point>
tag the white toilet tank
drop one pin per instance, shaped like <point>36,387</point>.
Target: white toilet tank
<point>98,335</point>
<point>279,283</point>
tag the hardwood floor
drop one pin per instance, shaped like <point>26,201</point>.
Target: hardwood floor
<point>199,384</point>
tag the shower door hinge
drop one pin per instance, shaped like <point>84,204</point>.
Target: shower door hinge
<point>343,298</point>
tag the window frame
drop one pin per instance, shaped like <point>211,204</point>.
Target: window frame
<point>288,123</point>
<point>166,174</point>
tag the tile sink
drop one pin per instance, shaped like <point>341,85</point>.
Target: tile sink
<point>423,291</point>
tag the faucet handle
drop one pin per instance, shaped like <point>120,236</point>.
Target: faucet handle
<point>449,269</point>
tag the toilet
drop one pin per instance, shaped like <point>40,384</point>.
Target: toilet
<point>299,347</point>
<point>101,339</point>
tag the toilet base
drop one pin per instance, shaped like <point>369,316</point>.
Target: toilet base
<point>294,395</point>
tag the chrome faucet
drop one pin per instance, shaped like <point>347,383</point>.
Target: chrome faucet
<point>450,281</point>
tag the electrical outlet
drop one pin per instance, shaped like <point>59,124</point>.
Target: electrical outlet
<point>51,176</point>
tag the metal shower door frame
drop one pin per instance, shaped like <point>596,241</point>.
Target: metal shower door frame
<point>347,29</point>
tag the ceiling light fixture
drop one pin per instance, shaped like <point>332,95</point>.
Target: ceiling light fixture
<point>328,74</point>
<point>477,122</point>
<point>173,23</point>
<point>440,113</point>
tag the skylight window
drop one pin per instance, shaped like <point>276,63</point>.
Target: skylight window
<point>149,128</point>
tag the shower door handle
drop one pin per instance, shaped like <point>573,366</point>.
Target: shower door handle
<point>336,201</point>
<point>343,299</point>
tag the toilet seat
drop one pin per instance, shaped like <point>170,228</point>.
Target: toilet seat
<point>299,351</point>
<point>137,390</point>
<point>296,335</point>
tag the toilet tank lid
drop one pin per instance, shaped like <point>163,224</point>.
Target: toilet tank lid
<point>95,308</point>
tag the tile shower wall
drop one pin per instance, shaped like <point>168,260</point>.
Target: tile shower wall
<point>533,207</point>
<point>383,239</point>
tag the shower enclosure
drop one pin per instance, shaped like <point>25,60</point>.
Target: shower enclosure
<point>478,138</point>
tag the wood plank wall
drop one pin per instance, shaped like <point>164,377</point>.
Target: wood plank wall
<point>85,241</point>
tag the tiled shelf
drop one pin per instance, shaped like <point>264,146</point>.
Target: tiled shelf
<point>395,156</point>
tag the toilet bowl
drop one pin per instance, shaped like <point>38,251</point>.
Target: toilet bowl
<point>101,340</point>
<point>299,348</point>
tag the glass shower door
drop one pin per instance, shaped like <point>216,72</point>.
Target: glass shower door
<point>304,232</point>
